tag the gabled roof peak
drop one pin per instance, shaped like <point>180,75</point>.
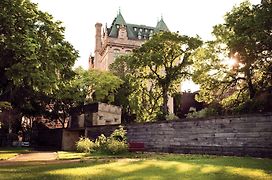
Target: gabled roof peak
<point>161,26</point>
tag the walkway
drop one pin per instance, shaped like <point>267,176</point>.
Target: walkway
<point>35,156</point>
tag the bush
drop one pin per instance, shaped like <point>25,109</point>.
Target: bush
<point>116,147</point>
<point>119,134</point>
<point>101,143</point>
<point>206,112</point>
<point>171,117</point>
<point>85,145</point>
<point>115,144</point>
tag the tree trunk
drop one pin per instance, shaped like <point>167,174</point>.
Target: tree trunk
<point>165,111</point>
<point>251,89</point>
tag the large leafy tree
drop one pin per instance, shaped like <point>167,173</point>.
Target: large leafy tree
<point>138,97</point>
<point>245,39</point>
<point>166,59</point>
<point>87,86</point>
<point>35,59</point>
<point>158,66</point>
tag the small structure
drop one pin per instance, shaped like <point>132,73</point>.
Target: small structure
<point>95,114</point>
<point>87,116</point>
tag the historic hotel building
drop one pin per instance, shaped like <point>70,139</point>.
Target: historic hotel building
<point>120,38</point>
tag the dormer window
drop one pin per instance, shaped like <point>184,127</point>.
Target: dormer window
<point>117,26</point>
<point>146,30</point>
<point>135,29</point>
<point>141,30</point>
<point>139,36</point>
<point>151,31</point>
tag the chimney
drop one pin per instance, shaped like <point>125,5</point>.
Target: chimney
<point>98,41</point>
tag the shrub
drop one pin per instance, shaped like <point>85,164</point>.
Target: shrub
<point>171,117</point>
<point>206,112</point>
<point>119,134</point>
<point>115,144</point>
<point>85,145</point>
<point>101,143</point>
<point>116,147</point>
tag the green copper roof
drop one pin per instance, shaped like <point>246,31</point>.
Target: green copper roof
<point>135,31</point>
<point>161,26</point>
<point>120,20</point>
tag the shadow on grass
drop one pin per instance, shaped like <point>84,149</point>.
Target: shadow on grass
<point>140,169</point>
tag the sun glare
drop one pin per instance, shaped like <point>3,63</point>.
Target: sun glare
<point>189,86</point>
<point>231,62</point>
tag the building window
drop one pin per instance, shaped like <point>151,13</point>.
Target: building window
<point>139,36</point>
<point>116,52</point>
<point>135,29</point>
<point>141,30</point>
<point>151,31</point>
<point>146,30</point>
<point>117,26</point>
<point>127,51</point>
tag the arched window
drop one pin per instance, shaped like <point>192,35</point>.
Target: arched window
<point>128,51</point>
<point>116,52</point>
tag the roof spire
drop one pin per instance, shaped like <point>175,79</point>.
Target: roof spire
<point>161,26</point>
<point>119,10</point>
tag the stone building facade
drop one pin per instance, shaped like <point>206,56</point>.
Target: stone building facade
<point>120,38</point>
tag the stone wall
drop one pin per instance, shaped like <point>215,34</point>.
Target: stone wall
<point>69,139</point>
<point>95,131</point>
<point>245,135</point>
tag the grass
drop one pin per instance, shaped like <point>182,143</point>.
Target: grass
<point>7,153</point>
<point>145,166</point>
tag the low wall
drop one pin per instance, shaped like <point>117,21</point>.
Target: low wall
<point>245,135</point>
<point>69,139</point>
<point>95,131</point>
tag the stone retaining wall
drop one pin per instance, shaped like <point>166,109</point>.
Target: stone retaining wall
<point>246,135</point>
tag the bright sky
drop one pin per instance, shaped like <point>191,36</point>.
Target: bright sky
<point>189,17</point>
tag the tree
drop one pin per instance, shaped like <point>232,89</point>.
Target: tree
<point>157,68</point>
<point>138,97</point>
<point>34,57</point>
<point>166,59</point>
<point>87,86</point>
<point>245,40</point>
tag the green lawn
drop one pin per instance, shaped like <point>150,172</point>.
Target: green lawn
<point>6,153</point>
<point>146,166</point>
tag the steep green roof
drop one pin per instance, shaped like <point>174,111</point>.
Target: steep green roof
<point>161,26</point>
<point>117,22</point>
<point>135,31</point>
<point>120,20</point>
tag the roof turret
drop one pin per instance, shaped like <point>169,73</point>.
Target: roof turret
<point>161,26</point>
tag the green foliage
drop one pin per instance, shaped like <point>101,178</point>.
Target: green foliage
<point>35,59</point>
<point>206,112</point>
<point>244,39</point>
<point>171,117</point>
<point>114,144</point>
<point>119,134</point>
<point>153,72</point>
<point>5,105</point>
<point>96,85</point>
<point>117,147</point>
<point>101,143</point>
<point>85,145</point>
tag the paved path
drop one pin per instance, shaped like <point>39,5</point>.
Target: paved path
<point>35,156</point>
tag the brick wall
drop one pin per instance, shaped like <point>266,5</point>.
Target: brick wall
<point>245,135</point>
